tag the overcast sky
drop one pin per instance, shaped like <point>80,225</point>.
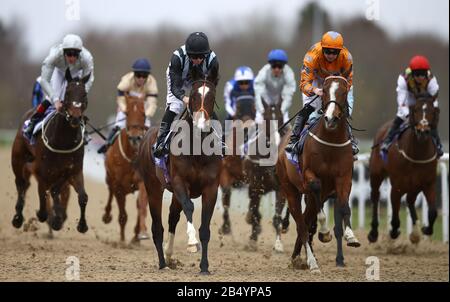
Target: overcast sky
<point>46,21</point>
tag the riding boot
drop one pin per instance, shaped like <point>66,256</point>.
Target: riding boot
<point>437,142</point>
<point>109,140</point>
<point>390,136</point>
<point>355,148</point>
<point>36,117</point>
<point>164,129</point>
<point>299,123</point>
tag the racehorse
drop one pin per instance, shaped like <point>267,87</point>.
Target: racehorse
<point>121,176</point>
<point>191,176</point>
<point>56,158</point>
<point>263,178</point>
<point>411,165</point>
<point>324,170</point>
<point>232,173</point>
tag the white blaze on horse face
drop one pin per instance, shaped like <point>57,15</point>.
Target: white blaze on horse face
<point>77,104</point>
<point>424,121</point>
<point>192,239</point>
<point>332,106</point>
<point>201,123</point>
<point>203,90</point>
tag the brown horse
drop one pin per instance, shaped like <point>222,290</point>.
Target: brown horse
<point>191,176</point>
<point>56,159</point>
<point>262,177</point>
<point>232,173</point>
<point>121,176</point>
<point>411,167</point>
<point>325,166</point>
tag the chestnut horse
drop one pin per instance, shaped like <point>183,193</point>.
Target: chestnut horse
<point>263,178</point>
<point>56,159</point>
<point>191,176</point>
<point>121,176</point>
<point>232,173</point>
<point>411,167</point>
<point>325,170</point>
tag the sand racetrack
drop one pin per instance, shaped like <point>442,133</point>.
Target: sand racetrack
<point>31,256</point>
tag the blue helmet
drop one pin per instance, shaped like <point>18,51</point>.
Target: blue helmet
<point>277,55</point>
<point>142,65</point>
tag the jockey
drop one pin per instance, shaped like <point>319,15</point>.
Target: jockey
<point>69,54</point>
<point>326,58</point>
<point>241,86</point>
<point>139,83</point>
<point>194,56</point>
<point>38,94</point>
<point>275,79</point>
<point>417,81</point>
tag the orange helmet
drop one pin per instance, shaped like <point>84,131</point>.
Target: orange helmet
<point>332,39</point>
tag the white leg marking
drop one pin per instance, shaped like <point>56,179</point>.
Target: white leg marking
<point>278,246</point>
<point>192,240</point>
<point>311,260</point>
<point>169,246</point>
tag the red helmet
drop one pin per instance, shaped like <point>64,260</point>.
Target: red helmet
<point>419,62</point>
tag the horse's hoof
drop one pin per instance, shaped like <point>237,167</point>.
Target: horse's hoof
<point>284,230</point>
<point>42,216</point>
<point>205,273</point>
<point>394,234</point>
<point>278,247</point>
<point>193,248</point>
<point>427,231</point>
<point>56,223</point>
<point>107,218</point>
<point>163,266</point>
<point>258,229</point>
<point>340,264</point>
<point>414,238</point>
<point>143,236</point>
<point>315,271</point>
<point>82,228</point>
<point>299,263</point>
<point>17,221</point>
<point>373,236</point>
<point>353,243</point>
<point>252,245</point>
<point>325,237</point>
<point>225,229</point>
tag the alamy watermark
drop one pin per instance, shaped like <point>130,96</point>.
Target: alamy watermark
<point>373,10</point>
<point>73,268</point>
<point>373,269</point>
<point>257,142</point>
<point>72,10</point>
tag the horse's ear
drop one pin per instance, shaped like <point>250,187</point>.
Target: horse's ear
<point>86,78</point>
<point>213,76</point>
<point>68,75</point>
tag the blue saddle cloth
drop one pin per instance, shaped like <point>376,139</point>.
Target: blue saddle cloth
<point>294,157</point>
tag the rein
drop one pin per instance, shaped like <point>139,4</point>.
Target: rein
<point>61,151</point>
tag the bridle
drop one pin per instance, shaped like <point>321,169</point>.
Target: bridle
<point>202,104</point>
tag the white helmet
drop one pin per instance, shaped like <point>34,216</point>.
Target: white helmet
<point>72,41</point>
<point>243,73</point>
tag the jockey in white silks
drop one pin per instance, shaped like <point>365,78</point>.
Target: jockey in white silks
<point>70,54</point>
